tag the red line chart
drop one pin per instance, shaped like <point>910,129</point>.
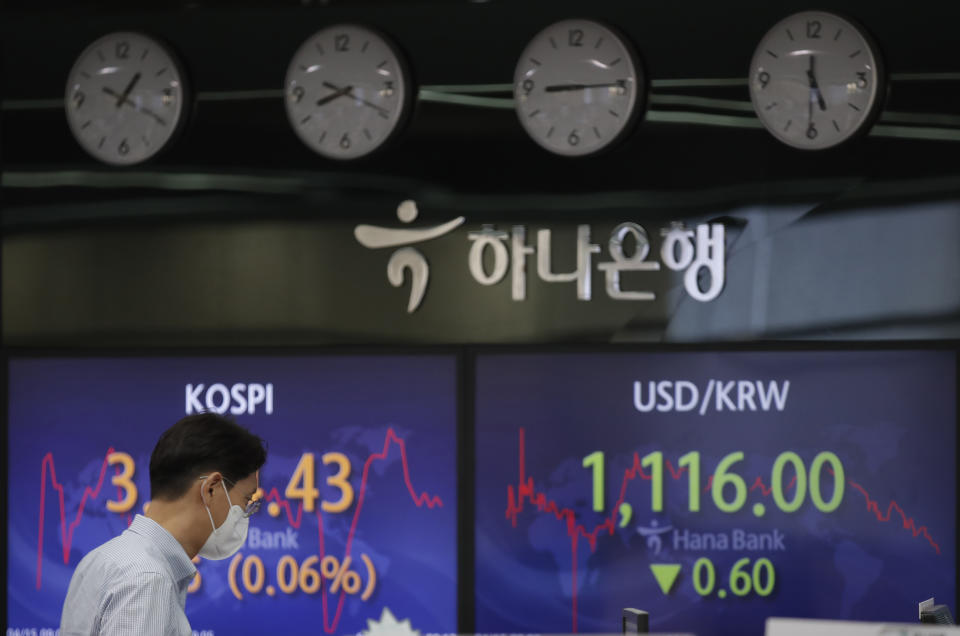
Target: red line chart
<point>66,534</point>
<point>391,439</point>
<point>525,491</point>
<point>295,520</point>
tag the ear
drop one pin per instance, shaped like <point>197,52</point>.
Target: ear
<point>210,486</point>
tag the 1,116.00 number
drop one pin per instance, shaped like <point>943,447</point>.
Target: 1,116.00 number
<point>723,476</point>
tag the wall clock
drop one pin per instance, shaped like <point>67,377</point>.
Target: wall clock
<point>816,80</point>
<point>126,98</point>
<point>347,91</point>
<point>578,87</point>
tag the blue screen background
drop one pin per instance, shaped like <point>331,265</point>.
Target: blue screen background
<point>889,416</point>
<point>75,409</point>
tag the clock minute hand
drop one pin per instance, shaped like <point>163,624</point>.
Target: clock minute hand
<point>348,91</point>
<point>150,113</point>
<point>126,100</point>
<point>814,86</point>
<point>557,88</point>
<point>126,92</point>
<point>380,109</point>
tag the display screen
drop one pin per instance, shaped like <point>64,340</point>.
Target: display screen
<point>359,518</point>
<point>712,489</point>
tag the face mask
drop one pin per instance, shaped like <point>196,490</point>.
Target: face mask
<point>224,541</point>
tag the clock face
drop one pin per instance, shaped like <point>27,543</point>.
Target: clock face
<point>125,98</point>
<point>578,87</point>
<point>347,91</point>
<point>815,80</point>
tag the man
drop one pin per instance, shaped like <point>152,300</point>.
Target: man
<point>204,473</point>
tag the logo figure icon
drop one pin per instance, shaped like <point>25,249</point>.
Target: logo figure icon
<point>653,535</point>
<point>406,258</point>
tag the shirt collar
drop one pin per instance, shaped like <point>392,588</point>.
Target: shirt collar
<point>180,564</point>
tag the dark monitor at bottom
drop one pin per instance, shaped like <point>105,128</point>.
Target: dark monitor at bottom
<point>635,621</point>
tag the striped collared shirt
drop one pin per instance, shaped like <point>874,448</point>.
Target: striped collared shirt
<point>133,584</point>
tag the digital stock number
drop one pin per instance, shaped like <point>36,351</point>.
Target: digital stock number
<point>308,576</point>
<point>743,578</point>
<point>302,484</point>
<point>729,489</point>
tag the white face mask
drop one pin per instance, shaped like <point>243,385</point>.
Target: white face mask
<point>224,541</point>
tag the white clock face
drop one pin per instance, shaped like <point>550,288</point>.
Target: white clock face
<point>578,87</point>
<point>125,98</point>
<point>814,80</point>
<point>347,92</point>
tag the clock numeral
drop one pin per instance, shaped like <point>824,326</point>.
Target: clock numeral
<point>527,86</point>
<point>574,138</point>
<point>861,79</point>
<point>576,37</point>
<point>78,99</point>
<point>763,78</point>
<point>813,29</point>
<point>297,93</point>
<point>123,148</point>
<point>122,50</point>
<point>812,131</point>
<point>345,141</point>
<point>341,42</point>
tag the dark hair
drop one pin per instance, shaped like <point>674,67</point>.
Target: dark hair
<point>200,444</point>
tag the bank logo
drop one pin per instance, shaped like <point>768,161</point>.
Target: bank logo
<point>652,534</point>
<point>697,254</point>
<point>406,258</point>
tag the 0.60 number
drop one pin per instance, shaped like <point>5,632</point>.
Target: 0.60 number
<point>741,582</point>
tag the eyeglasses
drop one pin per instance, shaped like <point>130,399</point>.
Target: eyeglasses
<point>252,506</point>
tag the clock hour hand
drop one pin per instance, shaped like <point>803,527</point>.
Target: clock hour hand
<point>338,92</point>
<point>126,100</point>
<point>558,88</point>
<point>348,91</point>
